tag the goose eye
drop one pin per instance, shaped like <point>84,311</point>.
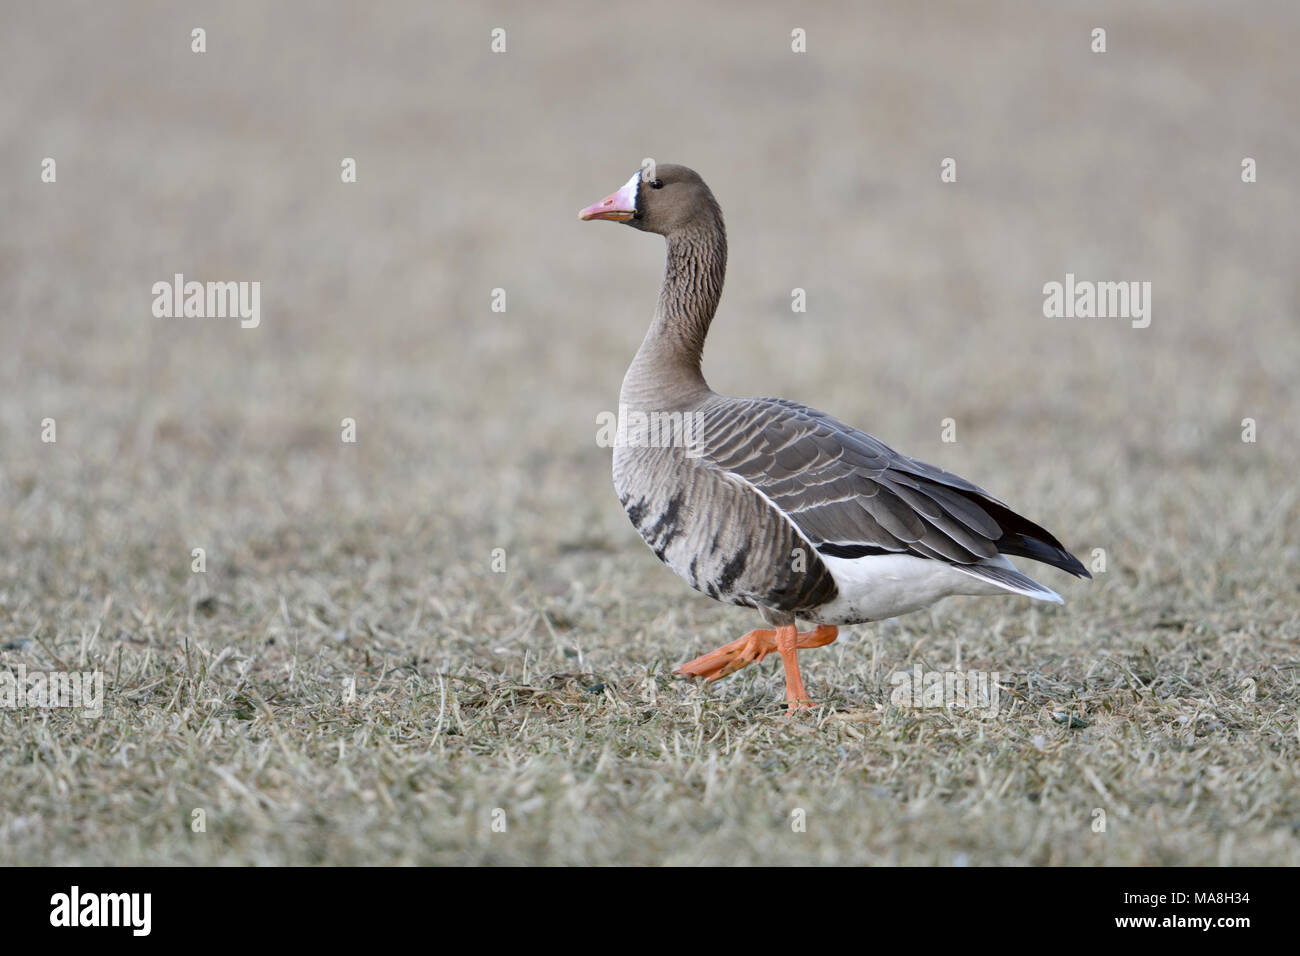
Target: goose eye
<point>657,184</point>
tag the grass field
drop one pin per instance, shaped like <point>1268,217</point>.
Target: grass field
<point>530,715</point>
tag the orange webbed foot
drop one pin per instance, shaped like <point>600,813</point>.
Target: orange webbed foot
<point>756,645</point>
<point>730,658</point>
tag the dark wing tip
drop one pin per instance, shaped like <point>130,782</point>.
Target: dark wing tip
<point>1045,549</point>
<point>1024,538</point>
<point>1073,565</point>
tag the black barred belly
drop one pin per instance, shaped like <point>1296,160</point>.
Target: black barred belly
<point>735,548</point>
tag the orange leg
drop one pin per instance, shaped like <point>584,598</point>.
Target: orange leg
<point>756,645</point>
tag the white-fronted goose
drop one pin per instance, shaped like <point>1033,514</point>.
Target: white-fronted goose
<point>765,503</point>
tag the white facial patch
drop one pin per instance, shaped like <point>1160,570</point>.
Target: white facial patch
<point>628,192</point>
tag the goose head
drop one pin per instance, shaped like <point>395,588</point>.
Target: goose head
<point>674,200</point>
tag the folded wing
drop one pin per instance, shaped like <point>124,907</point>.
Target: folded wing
<point>852,495</point>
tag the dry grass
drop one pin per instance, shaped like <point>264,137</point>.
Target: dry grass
<point>546,691</point>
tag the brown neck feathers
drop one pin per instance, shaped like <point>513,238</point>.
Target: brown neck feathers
<point>667,367</point>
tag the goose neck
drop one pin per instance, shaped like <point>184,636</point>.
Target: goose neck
<point>667,366</point>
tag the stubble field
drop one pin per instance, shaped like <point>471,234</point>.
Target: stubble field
<point>351,681</point>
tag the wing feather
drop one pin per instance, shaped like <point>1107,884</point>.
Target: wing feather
<point>855,495</point>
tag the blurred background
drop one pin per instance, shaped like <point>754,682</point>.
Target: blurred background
<point>476,429</point>
<point>924,299</point>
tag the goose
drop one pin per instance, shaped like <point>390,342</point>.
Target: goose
<point>769,504</point>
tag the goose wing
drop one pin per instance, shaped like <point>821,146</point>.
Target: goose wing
<point>852,495</point>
